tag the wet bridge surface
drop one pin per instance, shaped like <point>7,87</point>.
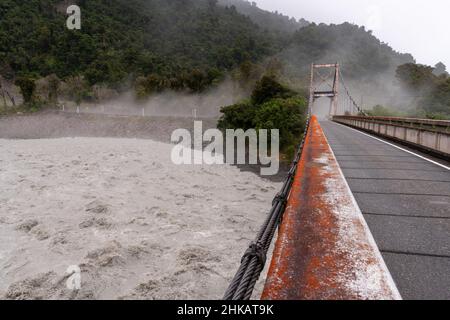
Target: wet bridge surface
<point>406,203</point>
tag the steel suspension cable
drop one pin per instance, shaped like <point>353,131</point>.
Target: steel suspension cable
<point>255,258</point>
<point>347,91</point>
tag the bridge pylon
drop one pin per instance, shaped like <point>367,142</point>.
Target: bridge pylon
<point>325,85</point>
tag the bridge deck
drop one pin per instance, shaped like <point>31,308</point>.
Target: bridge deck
<point>406,202</point>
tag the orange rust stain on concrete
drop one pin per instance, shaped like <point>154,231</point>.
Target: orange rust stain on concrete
<point>306,263</point>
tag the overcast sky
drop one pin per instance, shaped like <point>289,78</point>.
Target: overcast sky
<point>419,27</point>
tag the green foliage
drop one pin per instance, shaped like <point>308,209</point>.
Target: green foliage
<point>197,80</point>
<point>438,101</point>
<point>287,115</point>
<point>269,88</point>
<point>273,112</point>
<point>193,81</point>
<point>53,86</point>
<point>416,77</point>
<point>238,116</point>
<point>440,69</point>
<point>273,21</point>
<point>191,45</point>
<point>437,116</point>
<point>434,90</point>
<point>34,105</point>
<point>148,85</point>
<point>77,89</point>
<point>382,111</point>
<point>174,39</point>
<point>27,87</point>
<point>187,43</point>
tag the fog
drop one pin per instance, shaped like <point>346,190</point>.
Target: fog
<point>380,87</point>
<point>410,26</point>
<point>168,103</point>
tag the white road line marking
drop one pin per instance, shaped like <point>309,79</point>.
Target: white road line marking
<point>393,145</point>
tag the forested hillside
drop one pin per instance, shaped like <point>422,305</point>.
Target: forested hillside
<point>273,21</point>
<point>185,45</point>
<point>429,88</point>
<point>356,49</point>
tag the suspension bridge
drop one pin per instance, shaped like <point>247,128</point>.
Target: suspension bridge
<point>364,212</point>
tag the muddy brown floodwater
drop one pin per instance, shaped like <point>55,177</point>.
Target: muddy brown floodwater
<point>110,201</point>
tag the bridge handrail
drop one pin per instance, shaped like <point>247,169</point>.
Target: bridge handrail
<point>413,122</point>
<point>429,136</point>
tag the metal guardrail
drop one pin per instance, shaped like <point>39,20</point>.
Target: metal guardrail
<point>431,136</point>
<point>438,125</point>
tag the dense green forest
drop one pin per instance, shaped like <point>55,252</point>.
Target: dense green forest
<point>273,21</point>
<point>180,43</point>
<point>192,45</point>
<point>425,89</point>
<point>430,86</point>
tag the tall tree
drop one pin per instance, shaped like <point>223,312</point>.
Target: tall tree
<point>27,87</point>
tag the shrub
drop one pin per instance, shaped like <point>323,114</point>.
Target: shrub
<point>287,115</point>
<point>27,87</point>
<point>279,108</point>
<point>238,116</point>
<point>269,88</point>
